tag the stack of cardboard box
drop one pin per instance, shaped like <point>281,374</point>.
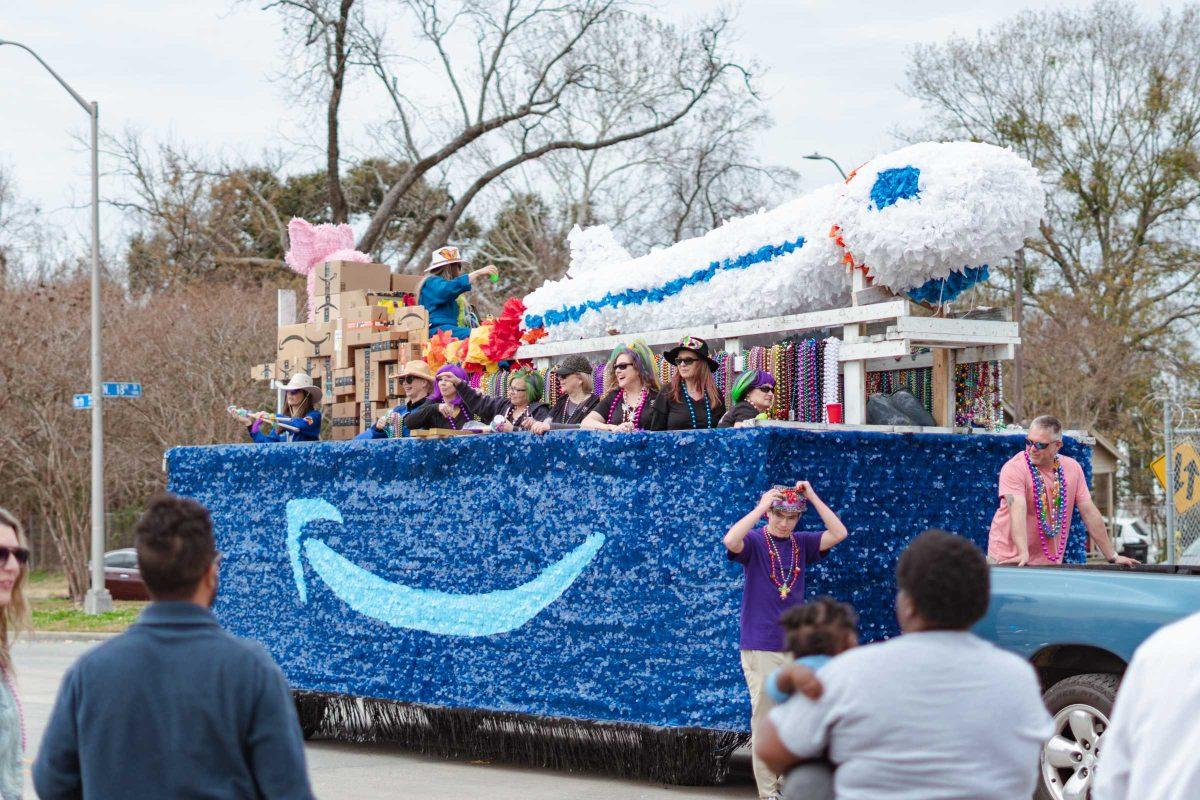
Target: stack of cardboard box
<point>364,334</point>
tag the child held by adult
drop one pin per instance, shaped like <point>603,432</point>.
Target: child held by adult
<point>774,557</point>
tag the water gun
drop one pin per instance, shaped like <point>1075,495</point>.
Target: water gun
<point>266,422</point>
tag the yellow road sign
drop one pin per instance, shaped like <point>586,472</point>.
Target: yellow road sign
<point>1187,476</point>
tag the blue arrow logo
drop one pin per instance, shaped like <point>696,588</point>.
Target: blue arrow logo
<point>403,606</point>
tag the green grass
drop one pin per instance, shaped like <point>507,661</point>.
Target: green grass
<point>60,614</point>
<point>53,610</point>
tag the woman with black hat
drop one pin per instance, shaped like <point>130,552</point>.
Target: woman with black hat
<point>576,400</point>
<point>692,400</point>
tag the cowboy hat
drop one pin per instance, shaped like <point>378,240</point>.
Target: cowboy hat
<point>444,256</point>
<point>300,382</point>
<point>696,345</point>
<point>417,369</point>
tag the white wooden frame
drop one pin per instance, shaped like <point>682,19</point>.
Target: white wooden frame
<point>960,341</point>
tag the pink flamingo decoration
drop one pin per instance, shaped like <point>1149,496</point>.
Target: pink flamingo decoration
<point>315,244</point>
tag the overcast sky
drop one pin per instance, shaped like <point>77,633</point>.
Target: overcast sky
<point>200,72</point>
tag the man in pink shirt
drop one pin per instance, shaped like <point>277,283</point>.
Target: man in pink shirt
<point>1038,491</point>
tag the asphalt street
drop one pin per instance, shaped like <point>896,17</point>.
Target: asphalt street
<point>365,772</point>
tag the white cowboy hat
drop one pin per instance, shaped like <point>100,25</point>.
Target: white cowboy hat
<point>444,256</point>
<point>302,383</point>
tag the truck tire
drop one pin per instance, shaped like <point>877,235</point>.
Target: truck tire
<point>1082,707</point>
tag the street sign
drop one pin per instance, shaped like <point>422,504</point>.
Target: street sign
<point>121,390</point>
<point>1187,476</point>
<point>128,390</point>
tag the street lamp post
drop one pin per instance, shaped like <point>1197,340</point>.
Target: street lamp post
<point>819,157</point>
<point>97,599</point>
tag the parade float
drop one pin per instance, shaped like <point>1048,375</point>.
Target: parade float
<point>565,600</point>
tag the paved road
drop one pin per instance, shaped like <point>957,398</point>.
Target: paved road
<point>365,772</point>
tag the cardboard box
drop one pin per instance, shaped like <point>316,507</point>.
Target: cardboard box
<point>394,346</point>
<point>360,298</point>
<point>343,383</point>
<point>414,319</point>
<point>263,372</point>
<point>361,325</point>
<point>321,371</point>
<point>341,351</point>
<point>305,340</point>
<point>286,366</point>
<point>344,421</point>
<point>408,284</point>
<point>370,377</point>
<point>335,277</point>
<point>370,413</point>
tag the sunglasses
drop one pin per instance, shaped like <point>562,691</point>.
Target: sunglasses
<point>767,389</point>
<point>621,367</point>
<point>21,554</point>
<point>679,362</point>
<point>1038,445</point>
<point>411,379</point>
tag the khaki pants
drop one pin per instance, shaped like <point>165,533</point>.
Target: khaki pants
<point>756,666</point>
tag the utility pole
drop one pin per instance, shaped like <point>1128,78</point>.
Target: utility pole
<point>1018,393</point>
<point>98,599</point>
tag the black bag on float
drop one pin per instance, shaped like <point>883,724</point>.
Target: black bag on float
<point>904,402</point>
<point>880,411</point>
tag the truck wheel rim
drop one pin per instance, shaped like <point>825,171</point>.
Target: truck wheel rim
<point>1070,756</point>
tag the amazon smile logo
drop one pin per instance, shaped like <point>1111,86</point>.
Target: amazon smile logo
<point>404,606</point>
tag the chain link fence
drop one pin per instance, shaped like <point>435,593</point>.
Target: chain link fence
<point>1180,476</point>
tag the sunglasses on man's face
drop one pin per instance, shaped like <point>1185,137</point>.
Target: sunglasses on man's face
<point>1038,445</point>
<point>21,554</point>
<point>410,379</point>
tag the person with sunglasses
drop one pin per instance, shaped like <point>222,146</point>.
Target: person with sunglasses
<point>14,617</point>
<point>753,395</point>
<point>520,410</point>
<point>1039,489</point>
<point>417,381</point>
<point>692,400</point>
<point>773,558</point>
<point>628,405</point>
<point>576,398</point>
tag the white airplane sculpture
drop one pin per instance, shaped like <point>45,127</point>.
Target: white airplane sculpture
<point>925,221</point>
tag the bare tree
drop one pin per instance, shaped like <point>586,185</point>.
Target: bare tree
<point>512,71</point>
<point>1106,104</point>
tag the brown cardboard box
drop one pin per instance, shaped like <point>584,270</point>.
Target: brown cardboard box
<point>370,413</point>
<point>344,421</point>
<point>290,346</point>
<point>335,277</point>
<point>369,377</point>
<point>390,346</point>
<point>306,340</point>
<point>321,371</point>
<point>413,318</point>
<point>360,298</point>
<point>361,325</point>
<point>341,351</point>
<point>409,284</point>
<point>263,372</point>
<point>343,383</point>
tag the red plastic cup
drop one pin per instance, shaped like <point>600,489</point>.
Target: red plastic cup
<point>834,412</point>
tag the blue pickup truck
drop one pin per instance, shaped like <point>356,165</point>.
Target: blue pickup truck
<point>1078,626</point>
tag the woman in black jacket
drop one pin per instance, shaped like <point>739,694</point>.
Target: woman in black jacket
<point>576,400</point>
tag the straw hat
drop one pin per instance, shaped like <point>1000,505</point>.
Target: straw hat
<point>417,369</point>
<point>300,382</point>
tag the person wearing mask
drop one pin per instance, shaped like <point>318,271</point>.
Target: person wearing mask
<point>628,405</point>
<point>753,394</point>
<point>577,398</point>
<point>175,706</point>
<point>417,381</point>
<point>442,292</point>
<point>692,400</point>
<point>520,410</point>
<point>445,408</point>
<point>14,618</point>
<point>300,423</point>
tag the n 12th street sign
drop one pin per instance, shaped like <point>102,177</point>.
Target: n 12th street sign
<point>129,390</point>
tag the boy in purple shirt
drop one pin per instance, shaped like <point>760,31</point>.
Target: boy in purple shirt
<point>774,557</point>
